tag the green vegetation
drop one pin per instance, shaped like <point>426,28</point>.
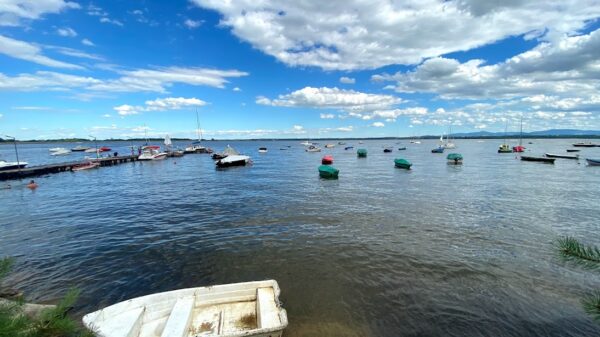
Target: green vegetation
<point>588,256</point>
<point>52,322</point>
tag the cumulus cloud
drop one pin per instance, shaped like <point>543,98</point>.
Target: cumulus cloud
<point>160,104</point>
<point>30,52</point>
<point>332,98</point>
<point>111,21</point>
<point>378,124</point>
<point>45,80</point>
<point>14,12</point>
<point>327,116</point>
<point>356,34</point>
<point>236,89</point>
<point>347,80</point>
<point>192,24</point>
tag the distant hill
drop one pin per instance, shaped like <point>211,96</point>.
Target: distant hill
<point>552,133</point>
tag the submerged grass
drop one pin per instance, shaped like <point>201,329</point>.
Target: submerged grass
<point>52,322</point>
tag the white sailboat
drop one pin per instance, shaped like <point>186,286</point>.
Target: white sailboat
<point>8,165</point>
<point>196,147</point>
<point>449,144</point>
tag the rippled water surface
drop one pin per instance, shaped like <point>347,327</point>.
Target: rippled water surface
<point>436,251</point>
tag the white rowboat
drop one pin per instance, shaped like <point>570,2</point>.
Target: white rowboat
<point>230,310</point>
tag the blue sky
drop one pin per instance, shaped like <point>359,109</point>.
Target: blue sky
<point>287,69</point>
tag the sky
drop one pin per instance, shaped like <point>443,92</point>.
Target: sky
<point>296,69</point>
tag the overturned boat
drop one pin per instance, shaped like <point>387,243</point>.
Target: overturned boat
<point>232,310</point>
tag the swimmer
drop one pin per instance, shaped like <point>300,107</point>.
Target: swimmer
<point>32,185</point>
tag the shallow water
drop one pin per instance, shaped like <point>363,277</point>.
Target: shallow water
<point>439,250</point>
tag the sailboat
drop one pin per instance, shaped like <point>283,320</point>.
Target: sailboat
<point>449,144</point>
<point>170,151</point>
<point>196,147</point>
<point>520,147</point>
<point>505,148</point>
<point>440,148</point>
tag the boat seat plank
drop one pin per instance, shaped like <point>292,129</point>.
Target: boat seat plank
<point>266,309</point>
<point>126,324</point>
<point>178,322</point>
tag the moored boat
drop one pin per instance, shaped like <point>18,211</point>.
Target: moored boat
<point>454,158</point>
<point>387,150</point>
<point>262,150</point>
<point>540,159</point>
<point>228,151</point>
<point>584,144</point>
<point>504,148</point>
<point>7,165</point>
<point>85,166</point>
<point>439,149</point>
<point>520,147</point>
<point>341,143</point>
<point>327,160</point>
<point>348,147</point>
<point>593,162</point>
<point>328,172</point>
<point>233,160</point>
<point>573,150</point>
<point>104,149</point>
<point>80,148</point>
<point>329,146</point>
<point>401,148</point>
<point>196,147</point>
<point>402,163</point>
<point>232,310</point>
<point>361,153</point>
<point>55,149</point>
<point>564,156</point>
<point>61,152</point>
<point>152,152</point>
<point>313,148</point>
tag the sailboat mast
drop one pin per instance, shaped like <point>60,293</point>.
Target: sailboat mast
<point>198,127</point>
<point>521,134</point>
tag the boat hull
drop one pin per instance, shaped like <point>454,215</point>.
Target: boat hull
<point>328,172</point>
<point>402,164</point>
<point>551,155</point>
<point>538,159</point>
<point>593,162</point>
<point>361,153</point>
<point>236,160</point>
<point>84,167</point>
<point>12,166</point>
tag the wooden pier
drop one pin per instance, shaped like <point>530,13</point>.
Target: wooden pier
<point>61,167</point>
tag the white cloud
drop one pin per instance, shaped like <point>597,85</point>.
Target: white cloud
<point>13,12</point>
<point>30,52</point>
<point>236,89</point>
<point>111,21</point>
<point>66,31</point>
<point>157,80</point>
<point>298,127</point>
<point>332,98</point>
<point>160,104</point>
<point>87,42</point>
<point>44,80</point>
<point>327,116</point>
<point>192,24</point>
<point>107,115</point>
<point>378,124</point>
<point>356,34</point>
<point>1,115</point>
<point>76,53</point>
<point>347,80</point>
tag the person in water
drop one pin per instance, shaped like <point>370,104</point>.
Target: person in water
<point>32,185</point>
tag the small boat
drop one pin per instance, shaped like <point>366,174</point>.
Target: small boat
<point>175,153</point>
<point>360,142</point>
<point>313,148</point>
<point>341,143</point>
<point>85,166</point>
<point>402,163</point>
<point>593,162</point>
<point>91,150</point>
<point>152,152</point>
<point>306,143</point>
<point>504,148</point>
<point>232,310</point>
<point>328,172</point>
<point>196,147</point>
<point>449,144</point>
<point>454,158</point>
<point>540,159</point>
<point>387,150</point>
<point>361,153</point>
<point>573,150</point>
<point>80,148</point>
<point>283,148</point>
<point>329,146</point>
<point>7,165</point>
<point>233,160</point>
<point>61,152</point>
<point>439,149</point>
<point>104,149</point>
<point>401,148</point>
<point>584,144</point>
<point>553,155</point>
<point>262,150</point>
<point>348,148</point>
<point>518,148</point>
<point>327,160</point>
<point>415,142</point>
<point>530,143</point>
<point>57,149</point>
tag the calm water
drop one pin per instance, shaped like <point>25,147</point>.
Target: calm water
<point>435,251</point>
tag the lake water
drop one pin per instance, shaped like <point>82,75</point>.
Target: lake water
<point>436,251</point>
